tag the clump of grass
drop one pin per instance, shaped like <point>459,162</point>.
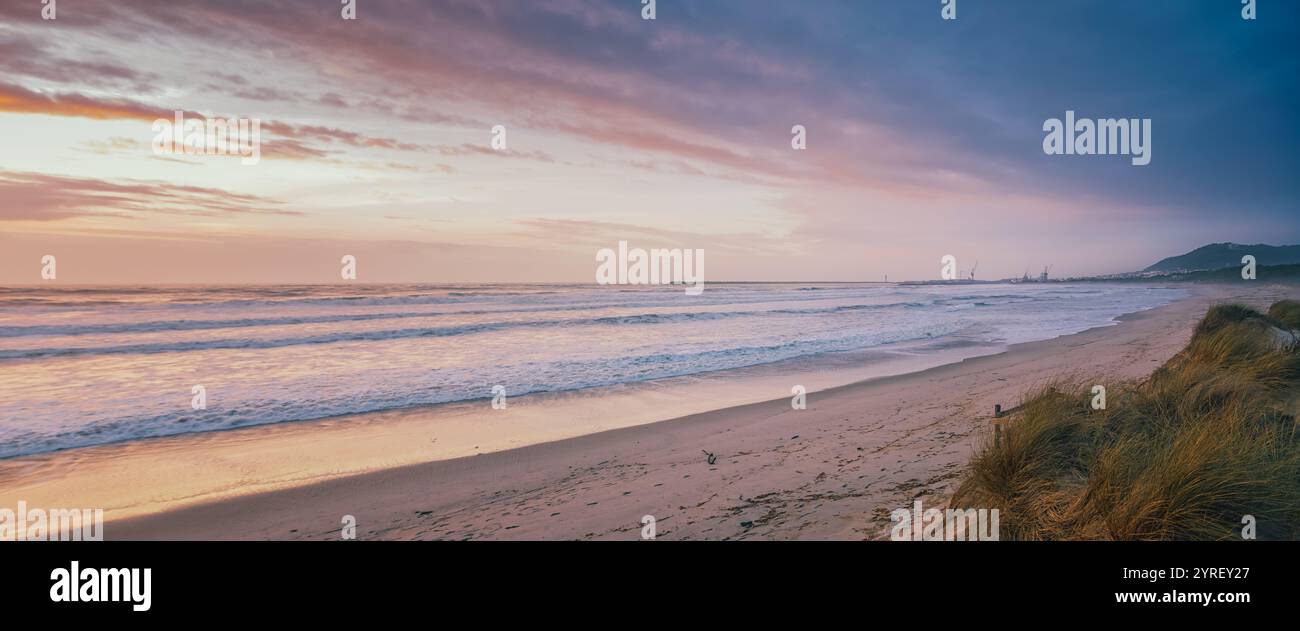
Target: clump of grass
<point>1186,453</point>
<point>1220,316</point>
<point>1287,312</point>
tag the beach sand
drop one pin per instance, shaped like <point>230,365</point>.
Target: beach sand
<point>832,471</point>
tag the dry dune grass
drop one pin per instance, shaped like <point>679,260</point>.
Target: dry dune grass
<point>1287,312</point>
<point>1208,438</point>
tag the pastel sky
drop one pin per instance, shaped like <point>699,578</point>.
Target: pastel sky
<point>924,137</point>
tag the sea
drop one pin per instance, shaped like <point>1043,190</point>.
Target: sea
<point>83,366</point>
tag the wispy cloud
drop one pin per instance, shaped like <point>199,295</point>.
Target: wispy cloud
<point>43,197</point>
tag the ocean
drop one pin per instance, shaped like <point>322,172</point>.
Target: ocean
<point>84,366</point>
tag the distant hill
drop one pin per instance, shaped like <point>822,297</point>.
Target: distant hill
<point>1220,255</point>
<point>1271,273</point>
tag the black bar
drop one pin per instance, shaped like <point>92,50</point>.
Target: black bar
<point>438,578</point>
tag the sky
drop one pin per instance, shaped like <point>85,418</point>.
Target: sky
<point>924,137</point>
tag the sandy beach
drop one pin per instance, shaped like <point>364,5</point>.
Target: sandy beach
<point>832,471</point>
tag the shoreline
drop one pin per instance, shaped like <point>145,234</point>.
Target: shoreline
<point>163,473</point>
<point>779,473</point>
<point>155,474</point>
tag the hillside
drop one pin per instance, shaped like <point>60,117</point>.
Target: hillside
<point>1220,255</point>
